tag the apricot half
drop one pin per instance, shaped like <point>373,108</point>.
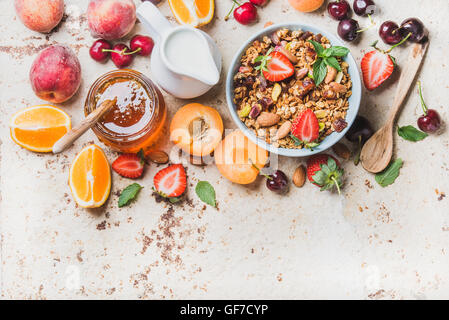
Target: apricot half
<point>196,129</point>
<point>306,5</point>
<point>236,157</point>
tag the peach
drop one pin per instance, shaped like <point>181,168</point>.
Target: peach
<point>237,157</point>
<point>41,16</point>
<point>306,5</point>
<point>196,129</point>
<point>56,74</point>
<point>111,19</point>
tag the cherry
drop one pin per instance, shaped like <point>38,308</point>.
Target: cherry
<point>277,182</point>
<point>97,50</point>
<point>142,45</point>
<point>339,9</point>
<point>364,7</point>
<point>348,29</point>
<point>416,28</point>
<point>360,131</point>
<point>245,13</point>
<point>390,33</point>
<point>430,122</point>
<point>259,3</point>
<point>121,56</point>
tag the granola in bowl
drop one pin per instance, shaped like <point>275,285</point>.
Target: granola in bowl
<point>319,82</point>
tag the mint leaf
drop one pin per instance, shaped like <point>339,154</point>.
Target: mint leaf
<point>296,140</point>
<point>128,194</point>
<point>336,51</point>
<point>319,71</point>
<point>410,133</point>
<point>318,47</point>
<point>389,175</point>
<point>332,62</point>
<point>206,193</point>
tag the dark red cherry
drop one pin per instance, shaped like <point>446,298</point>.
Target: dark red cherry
<point>97,50</point>
<point>430,121</point>
<point>339,9</point>
<point>277,182</point>
<point>121,56</point>
<point>347,29</point>
<point>416,28</point>
<point>246,13</point>
<point>389,32</point>
<point>364,7</point>
<point>142,45</point>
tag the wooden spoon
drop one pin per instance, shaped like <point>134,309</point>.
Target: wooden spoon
<point>378,150</point>
<point>70,137</point>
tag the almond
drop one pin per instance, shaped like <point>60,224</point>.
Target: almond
<point>301,73</point>
<point>338,88</point>
<point>283,130</point>
<point>341,150</point>
<point>299,176</point>
<point>159,157</point>
<point>331,74</point>
<point>268,119</point>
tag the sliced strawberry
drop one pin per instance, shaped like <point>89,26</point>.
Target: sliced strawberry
<point>128,165</point>
<point>171,181</point>
<point>376,68</point>
<point>306,127</point>
<point>278,67</point>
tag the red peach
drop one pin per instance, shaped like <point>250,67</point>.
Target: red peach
<point>111,19</point>
<point>41,16</point>
<point>56,74</point>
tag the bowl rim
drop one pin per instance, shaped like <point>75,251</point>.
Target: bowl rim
<point>354,100</point>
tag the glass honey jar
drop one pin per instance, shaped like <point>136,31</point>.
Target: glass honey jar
<point>137,119</point>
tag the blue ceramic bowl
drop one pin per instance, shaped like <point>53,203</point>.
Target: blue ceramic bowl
<point>329,141</point>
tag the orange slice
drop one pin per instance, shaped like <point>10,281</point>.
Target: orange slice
<point>38,128</point>
<point>195,13</point>
<point>90,177</point>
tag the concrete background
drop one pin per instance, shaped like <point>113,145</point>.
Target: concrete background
<point>370,243</point>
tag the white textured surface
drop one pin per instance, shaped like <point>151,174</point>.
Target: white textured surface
<point>372,243</point>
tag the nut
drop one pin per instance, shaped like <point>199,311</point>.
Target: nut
<point>331,74</point>
<point>276,92</point>
<point>267,119</point>
<point>299,176</point>
<point>255,111</point>
<point>283,130</point>
<point>338,88</point>
<point>243,113</point>
<point>341,150</point>
<point>159,157</point>
<point>301,73</point>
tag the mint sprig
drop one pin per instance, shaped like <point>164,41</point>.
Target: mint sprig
<point>326,57</point>
<point>410,133</point>
<point>128,194</point>
<point>263,61</point>
<point>389,175</point>
<point>206,193</point>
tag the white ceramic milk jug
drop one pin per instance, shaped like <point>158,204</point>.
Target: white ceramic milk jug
<point>186,61</point>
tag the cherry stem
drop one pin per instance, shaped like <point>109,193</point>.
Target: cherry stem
<point>359,150</point>
<point>123,52</point>
<point>337,185</point>
<point>369,27</point>
<point>258,169</point>
<point>423,104</point>
<point>398,44</point>
<point>232,9</point>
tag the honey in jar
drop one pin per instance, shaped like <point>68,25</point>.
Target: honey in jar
<point>136,120</point>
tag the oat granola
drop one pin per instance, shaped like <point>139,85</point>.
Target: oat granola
<point>256,98</point>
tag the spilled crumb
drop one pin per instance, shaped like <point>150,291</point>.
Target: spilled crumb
<point>102,225</point>
<point>383,215</point>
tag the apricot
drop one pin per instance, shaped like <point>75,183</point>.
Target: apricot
<point>236,156</point>
<point>41,16</point>
<point>196,129</point>
<point>56,74</point>
<point>306,5</point>
<point>111,19</point>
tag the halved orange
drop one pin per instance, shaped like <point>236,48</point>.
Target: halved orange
<point>195,13</point>
<point>90,177</point>
<point>38,128</point>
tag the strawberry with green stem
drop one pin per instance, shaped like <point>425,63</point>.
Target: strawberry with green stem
<point>274,66</point>
<point>324,171</point>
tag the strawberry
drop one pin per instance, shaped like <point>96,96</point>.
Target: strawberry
<point>275,66</point>
<point>377,66</point>
<point>306,127</point>
<point>324,171</point>
<point>171,182</point>
<point>129,165</point>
